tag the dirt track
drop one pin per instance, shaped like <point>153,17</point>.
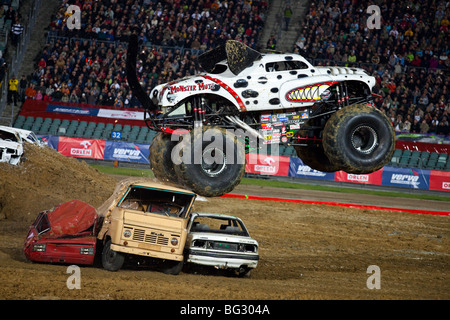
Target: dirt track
<point>306,251</point>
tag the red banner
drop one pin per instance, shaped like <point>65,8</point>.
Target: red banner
<point>439,180</point>
<point>371,178</point>
<point>82,148</point>
<point>267,164</point>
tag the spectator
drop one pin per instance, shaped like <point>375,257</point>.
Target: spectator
<point>424,127</point>
<point>23,84</point>
<point>13,90</point>
<point>30,92</point>
<point>16,32</point>
<point>287,16</point>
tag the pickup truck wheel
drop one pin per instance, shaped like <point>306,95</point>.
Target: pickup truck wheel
<point>360,138</point>
<point>173,267</point>
<point>111,260</point>
<point>215,162</point>
<point>160,158</point>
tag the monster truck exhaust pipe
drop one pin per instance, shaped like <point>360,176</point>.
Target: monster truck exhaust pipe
<point>132,78</point>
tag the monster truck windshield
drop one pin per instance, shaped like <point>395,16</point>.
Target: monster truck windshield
<point>157,201</point>
<point>285,66</point>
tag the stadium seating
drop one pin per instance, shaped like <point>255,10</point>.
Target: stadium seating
<point>420,160</point>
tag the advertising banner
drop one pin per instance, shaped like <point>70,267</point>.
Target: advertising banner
<point>267,164</point>
<point>371,178</point>
<point>81,148</point>
<point>81,111</point>
<point>121,114</point>
<point>406,177</point>
<point>300,170</point>
<point>440,180</point>
<point>51,141</point>
<point>126,151</point>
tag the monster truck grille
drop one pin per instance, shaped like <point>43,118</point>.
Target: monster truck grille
<point>152,237</point>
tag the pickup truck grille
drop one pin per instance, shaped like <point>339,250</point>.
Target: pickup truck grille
<point>153,237</point>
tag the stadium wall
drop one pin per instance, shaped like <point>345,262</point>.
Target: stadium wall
<point>265,165</point>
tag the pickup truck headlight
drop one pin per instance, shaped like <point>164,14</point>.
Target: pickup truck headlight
<point>127,233</point>
<point>87,250</point>
<point>174,241</point>
<point>39,247</point>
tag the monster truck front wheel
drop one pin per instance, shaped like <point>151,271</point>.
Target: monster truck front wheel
<point>160,158</point>
<point>213,161</point>
<point>359,138</point>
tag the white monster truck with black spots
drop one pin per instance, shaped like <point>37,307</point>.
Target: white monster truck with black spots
<point>325,113</point>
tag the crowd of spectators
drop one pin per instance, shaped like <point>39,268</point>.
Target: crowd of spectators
<point>408,55</point>
<point>87,65</point>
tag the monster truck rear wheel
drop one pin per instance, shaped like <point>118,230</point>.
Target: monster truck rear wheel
<point>160,158</point>
<point>359,138</point>
<point>213,161</point>
<point>313,155</point>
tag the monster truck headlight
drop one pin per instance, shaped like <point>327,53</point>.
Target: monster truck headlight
<point>174,241</point>
<point>40,247</point>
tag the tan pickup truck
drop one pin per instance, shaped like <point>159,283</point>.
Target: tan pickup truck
<point>146,219</point>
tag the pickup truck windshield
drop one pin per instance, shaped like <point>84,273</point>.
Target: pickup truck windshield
<point>162,202</point>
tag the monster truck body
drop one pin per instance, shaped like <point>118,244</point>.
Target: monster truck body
<point>326,113</point>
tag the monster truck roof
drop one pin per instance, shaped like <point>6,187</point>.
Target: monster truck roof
<point>239,57</point>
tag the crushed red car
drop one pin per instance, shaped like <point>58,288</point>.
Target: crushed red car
<point>63,234</point>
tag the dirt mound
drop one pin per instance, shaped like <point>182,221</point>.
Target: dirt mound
<point>46,178</point>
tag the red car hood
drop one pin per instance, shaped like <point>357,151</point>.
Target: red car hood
<point>70,218</point>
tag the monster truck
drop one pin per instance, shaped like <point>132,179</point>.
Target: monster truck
<point>325,113</point>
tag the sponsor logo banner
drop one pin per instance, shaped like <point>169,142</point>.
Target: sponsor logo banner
<point>267,164</point>
<point>440,180</point>
<point>121,114</point>
<point>300,170</point>
<point>95,112</point>
<point>125,151</point>
<point>406,177</point>
<point>81,111</point>
<point>81,148</point>
<point>371,178</point>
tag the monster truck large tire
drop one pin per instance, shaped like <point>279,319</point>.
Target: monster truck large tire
<point>204,176</point>
<point>315,158</point>
<point>359,138</point>
<point>313,155</point>
<point>160,158</point>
